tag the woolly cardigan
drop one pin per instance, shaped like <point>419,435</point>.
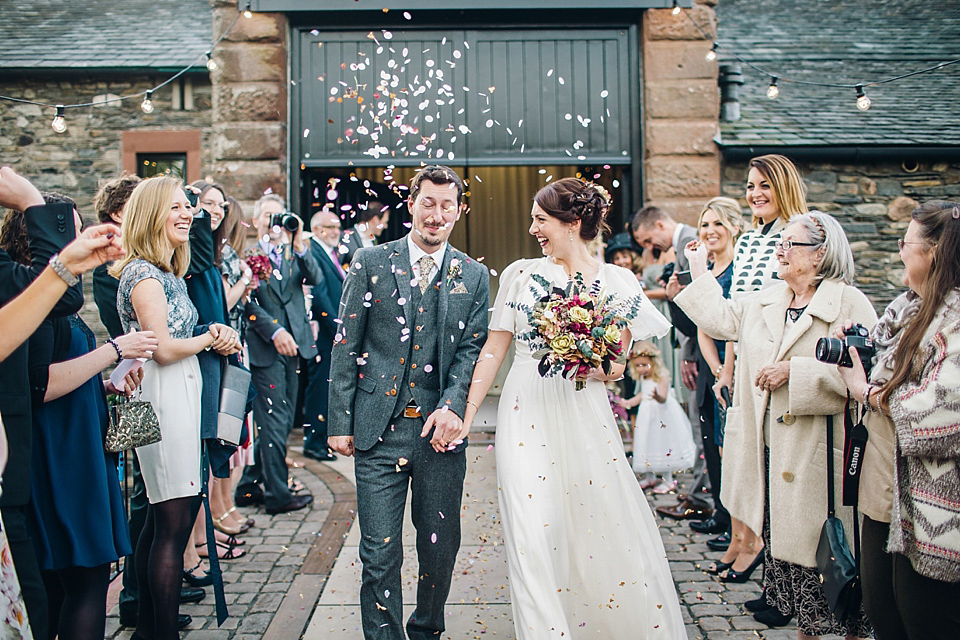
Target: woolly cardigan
<point>925,525</point>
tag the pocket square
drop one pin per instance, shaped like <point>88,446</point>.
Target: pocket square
<point>459,288</point>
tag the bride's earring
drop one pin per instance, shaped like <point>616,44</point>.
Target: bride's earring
<point>570,231</point>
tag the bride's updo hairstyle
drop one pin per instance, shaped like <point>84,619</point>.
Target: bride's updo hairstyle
<point>572,199</point>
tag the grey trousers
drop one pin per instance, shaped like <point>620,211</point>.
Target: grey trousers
<point>383,473</point>
<point>273,410</point>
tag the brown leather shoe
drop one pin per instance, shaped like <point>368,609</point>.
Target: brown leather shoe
<point>686,510</point>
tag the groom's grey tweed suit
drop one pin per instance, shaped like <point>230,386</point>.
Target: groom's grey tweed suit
<point>395,344</point>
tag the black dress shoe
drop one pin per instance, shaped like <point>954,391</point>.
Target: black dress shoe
<point>720,543</point>
<point>183,621</point>
<point>710,525</point>
<point>772,617</point>
<point>685,510</point>
<point>248,498</point>
<point>758,605</point>
<point>189,595</point>
<point>321,456</point>
<point>296,502</point>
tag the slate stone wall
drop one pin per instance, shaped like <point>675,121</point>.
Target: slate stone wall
<point>873,201</point>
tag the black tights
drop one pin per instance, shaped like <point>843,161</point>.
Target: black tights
<point>77,598</point>
<point>159,563</point>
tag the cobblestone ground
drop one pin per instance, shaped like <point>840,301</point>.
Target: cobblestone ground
<point>266,580</point>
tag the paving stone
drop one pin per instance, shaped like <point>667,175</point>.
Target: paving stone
<point>267,602</point>
<point>208,634</point>
<point>246,598</point>
<point>255,624</point>
<point>701,610</point>
<point>267,558</point>
<point>697,597</point>
<point>712,623</point>
<point>747,622</point>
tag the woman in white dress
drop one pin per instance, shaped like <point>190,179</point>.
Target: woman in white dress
<point>152,295</point>
<point>584,554</point>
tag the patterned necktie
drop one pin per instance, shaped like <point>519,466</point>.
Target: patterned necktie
<point>426,266</point>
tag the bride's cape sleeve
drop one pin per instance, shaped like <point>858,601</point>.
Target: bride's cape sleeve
<point>512,279</point>
<point>648,322</point>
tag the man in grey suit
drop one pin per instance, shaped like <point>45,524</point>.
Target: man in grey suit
<point>413,318</point>
<point>279,336</point>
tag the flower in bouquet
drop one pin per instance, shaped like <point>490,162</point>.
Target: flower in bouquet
<point>259,265</point>
<point>577,329</point>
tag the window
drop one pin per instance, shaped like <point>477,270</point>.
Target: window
<point>162,164</point>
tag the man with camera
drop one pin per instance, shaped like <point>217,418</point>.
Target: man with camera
<point>279,336</point>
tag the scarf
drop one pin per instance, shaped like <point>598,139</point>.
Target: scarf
<point>888,331</point>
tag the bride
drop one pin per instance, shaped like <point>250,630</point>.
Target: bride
<point>584,554</point>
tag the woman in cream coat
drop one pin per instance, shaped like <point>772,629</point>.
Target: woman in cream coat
<point>782,396</point>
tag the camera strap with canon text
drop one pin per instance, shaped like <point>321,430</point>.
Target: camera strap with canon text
<point>854,448</point>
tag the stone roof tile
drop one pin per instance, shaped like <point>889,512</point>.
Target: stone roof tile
<point>104,34</point>
<point>847,42</point>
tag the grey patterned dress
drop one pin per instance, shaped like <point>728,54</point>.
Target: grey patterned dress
<point>171,467</point>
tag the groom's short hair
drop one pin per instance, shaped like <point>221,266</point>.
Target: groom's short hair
<point>437,174</point>
<point>647,216</point>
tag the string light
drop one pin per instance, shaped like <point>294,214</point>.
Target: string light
<point>676,8</point>
<point>247,13</point>
<point>773,92</point>
<point>59,123</point>
<point>712,54</point>
<point>211,63</point>
<point>863,102</point>
<point>147,105</point>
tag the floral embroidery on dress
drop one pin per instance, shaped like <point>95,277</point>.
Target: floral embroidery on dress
<point>181,314</point>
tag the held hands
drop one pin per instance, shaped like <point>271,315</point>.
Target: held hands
<point>92,248</point>
<point>285,344</point>
<point>448,430</point>
<point>226,341</point>
<point>341,444</point>
<point>773,376</point>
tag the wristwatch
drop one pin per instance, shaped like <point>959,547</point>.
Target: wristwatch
<point>62,271</point>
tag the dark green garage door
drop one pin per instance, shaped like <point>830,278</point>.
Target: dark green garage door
<point>479,97</point>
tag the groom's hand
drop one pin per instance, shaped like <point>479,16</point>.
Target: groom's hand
<point>341,444</point>
<point>446,426</point>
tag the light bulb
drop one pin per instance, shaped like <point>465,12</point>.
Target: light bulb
<point>147,105</point>
<point>247,13</point>
<point>676,9</point>
<point>773,91</point>
<point>211,63</point>
<point>59,123</point>
<point>863,102</point>
<point>712,54</point>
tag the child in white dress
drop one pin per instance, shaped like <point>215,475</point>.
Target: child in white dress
<point>662,439</point>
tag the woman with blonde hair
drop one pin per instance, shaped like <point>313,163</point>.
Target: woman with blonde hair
<point>153,296</point>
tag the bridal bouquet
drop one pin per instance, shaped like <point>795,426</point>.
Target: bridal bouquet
<point>576,328</point>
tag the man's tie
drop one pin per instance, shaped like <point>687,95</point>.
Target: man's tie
<point>336,261</point>
<point>426,266</point>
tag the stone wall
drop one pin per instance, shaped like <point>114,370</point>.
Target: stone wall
<point>873,201</point>
<point>681,165</point>
<point>250,103</point>
<point>74,162</point>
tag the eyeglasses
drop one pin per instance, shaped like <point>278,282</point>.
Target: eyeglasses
<point>330,226</point>
<point>786,245</point>
<point>901,243</point>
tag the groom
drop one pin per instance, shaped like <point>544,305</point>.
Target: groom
<point>413,318</point>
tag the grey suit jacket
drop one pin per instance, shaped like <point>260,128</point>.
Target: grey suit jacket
<point>277,303</point>
<point>370,348</point>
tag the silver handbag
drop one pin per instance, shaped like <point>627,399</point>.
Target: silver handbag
<point>234,386</point>
<point>133,423</point>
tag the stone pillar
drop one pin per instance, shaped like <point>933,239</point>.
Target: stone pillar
<point>681,164</point>
<point>250,103</point>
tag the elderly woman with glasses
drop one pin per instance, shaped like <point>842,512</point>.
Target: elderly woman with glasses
<point>782,396</point>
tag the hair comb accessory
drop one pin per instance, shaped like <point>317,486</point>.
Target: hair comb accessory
<point>955,213</point>
<point>820,228</point>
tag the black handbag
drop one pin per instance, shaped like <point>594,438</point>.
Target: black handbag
<point>838,568</point>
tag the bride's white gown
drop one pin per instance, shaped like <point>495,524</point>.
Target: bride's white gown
<point>584,554</point>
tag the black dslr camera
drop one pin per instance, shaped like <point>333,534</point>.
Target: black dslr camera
<point>835,351</point>
<point>668,270</point>
<point>285,220</point>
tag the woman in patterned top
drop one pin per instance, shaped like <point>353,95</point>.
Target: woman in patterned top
<point>910,559</point>
<point>775,192</point>
<point>153,296</point>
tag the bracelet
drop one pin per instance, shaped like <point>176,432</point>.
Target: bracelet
<point>62,271</point>
<point>112,342</point>
<point>475,406</point>
<point>865,400</point>
<point>716,372</point>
